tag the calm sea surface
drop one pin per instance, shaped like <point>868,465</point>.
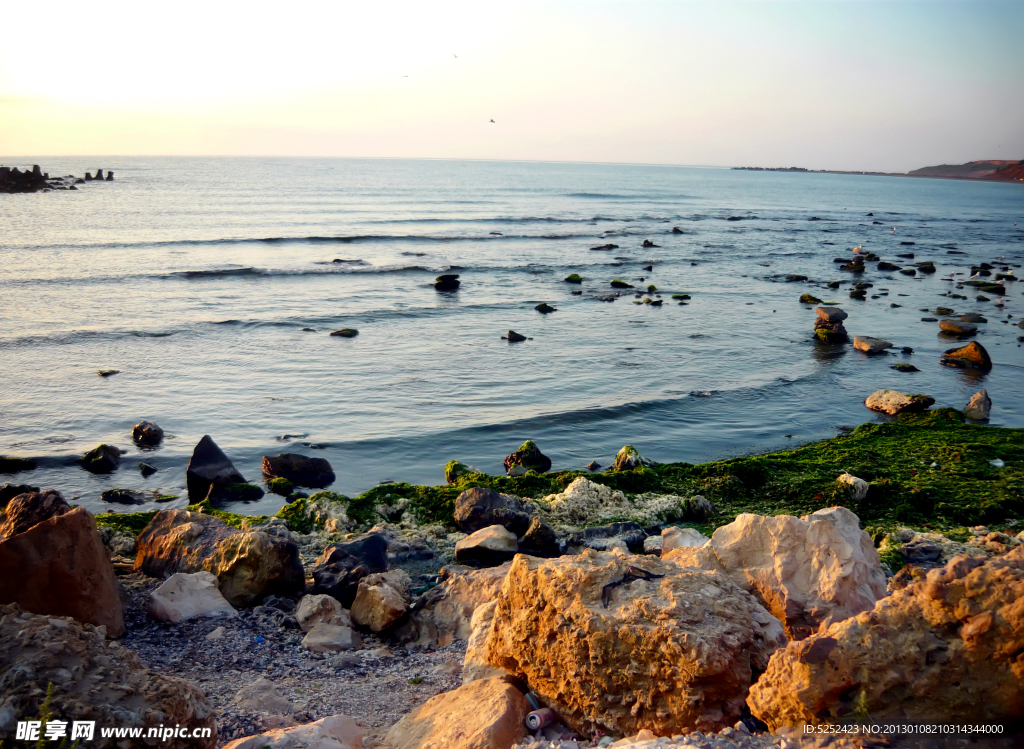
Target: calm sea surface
<point>212,285</point>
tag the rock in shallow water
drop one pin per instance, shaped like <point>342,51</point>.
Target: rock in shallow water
<point>870,345</point>
<point>971,356</point>
<point>527,458</point>
<point>209,468</point>
<point>315,473</point>
<point>101,459</point>
<point>894,402</point>
<point>147,434</point>
<point>979,406</point>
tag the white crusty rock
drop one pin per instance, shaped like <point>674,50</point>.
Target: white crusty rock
<point>325,638</point>
<point>333,732</point>
<point>620,642</point>
<point>187,595</point>
<point>475,665</point>
<point>820,568</point>
<point>381,599</point>
<point>314,609</point>
<point>484,714</point>
<point>674,538</point>
<point>857,488</point>
<point>491,544</point>
<point>894,402</point>
<point>586,503</point>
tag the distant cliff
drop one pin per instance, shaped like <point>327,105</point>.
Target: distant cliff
<point>1002,171</point>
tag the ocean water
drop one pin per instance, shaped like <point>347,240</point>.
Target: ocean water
<point>213,285</point>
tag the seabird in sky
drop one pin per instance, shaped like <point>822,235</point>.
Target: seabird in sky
<point>492,120</point>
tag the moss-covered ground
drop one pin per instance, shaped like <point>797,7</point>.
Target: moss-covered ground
<point>930,470</point>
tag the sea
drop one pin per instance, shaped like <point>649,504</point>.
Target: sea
<point>212,286</point>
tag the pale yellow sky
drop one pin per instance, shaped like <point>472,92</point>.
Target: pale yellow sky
<point>826,85</point>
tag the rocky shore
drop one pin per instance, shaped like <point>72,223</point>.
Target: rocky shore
<point>14,180</point>
<point>869,579</point>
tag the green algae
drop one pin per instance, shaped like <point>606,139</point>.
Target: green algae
<point>574,278</point>
<point>280,486</point>
<point>126,522</point>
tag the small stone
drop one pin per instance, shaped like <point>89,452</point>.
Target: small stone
<point>979,406</point>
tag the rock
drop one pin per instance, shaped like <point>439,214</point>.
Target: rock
<point>487,546</point>
<point>216,634</point>
<point>447,282</point>
<point>894,402</point>
<point>972,317</point>
<point>341,566</point>
<point>806,571</point>
<point>10,491</point>
<point>444,613</point>
<point>248,564</point>
<point>887,266</point>
<point>475,665</point>
<point>484,714</point>
<point>904,367</point>
<point>809,299</point>
<point>147,434</point>
<point>316,609</point>
<point>479,507</point>
<point>299,469</point>
<point>9,464</point>
<point>514,337</point>
<point>979,406</point>
<point>855,487</point>
<point>544,308</point>
<point>871,345</point>
<point>110,176</point>
<point>454,470</point>
<point>60,567</point>
<point>146,470</point>
<point>593,466</point>
<point>619,284</point>
<point>971,356</point>
<point>574,278</point>
<point>943,649</point>
<point>676,538</point>
<point>92,679</point>
<point>959,329</point>
<point>528,457</point>
<point>605,247</point>
<point>598,636</point>
<point>345,333</point>
<point>262,696</point>
<point>654,545</point>
<point>382,599</point>
<point>123,497</point>
<point>332,732</point>
<point>29,509</point>
<point>209,468</point>
<point>828,325</point>
<point>185,596</point>
<point>627,459</point>
<point>329,638</point>
<point>101,459</point>
<point>539,540</point>
<point>649,243</point>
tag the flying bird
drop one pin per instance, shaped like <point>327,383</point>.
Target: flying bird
<point>455,56</point>
<point>492,120</point>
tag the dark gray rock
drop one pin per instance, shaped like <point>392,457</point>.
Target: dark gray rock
<point>315,473</point>
<point>478,508</point>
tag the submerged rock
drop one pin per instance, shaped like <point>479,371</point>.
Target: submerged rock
<point>809,299</point>
<point>971,356</point>
<point>979,406</point>
<point>958,329</point>
<point>447,282</point>
<point>514,337</point>
<point>894,402</point>
<point>598,637</point>
<point>90,678</point>
<point>345,333</point>
<point>147,434</point>
<point>101,459</point>
<point>527,458</point>
<point>944,649</point>
<point>544,308</point>
<point>248,564</point>
<point>299,469</point>
<point>574,278</point>
<point>805,571</point>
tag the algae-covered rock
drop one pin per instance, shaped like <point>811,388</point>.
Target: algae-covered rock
<point>628,458</point>
<point>894,402</point>
<point>11,464</point>
<point>101,459</point>
<point>544,308</point>
<point>447,282</point>
<point>619,284</point>
<point>809,299</point>
<point>345,333</point>
<point>574,278</point>
<point>527,458</point>
<point>454,470</point>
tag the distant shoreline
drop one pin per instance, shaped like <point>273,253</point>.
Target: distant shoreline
<point>976,171</point>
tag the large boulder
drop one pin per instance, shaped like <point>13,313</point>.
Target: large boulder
<point>675,538</point>
<point>527,458</point>
<point>332,732</point>
<point>247,564</point>
<point>620,643</point>
<point>90,678</point>
<point>187,595</point>
<point>299,469</point>
<point>479,507</point>
<point>209,468</point>
<point>945,649</point>
<point>971,356</point>
<point>445,612</point>
<point>475,665</point>
<point>338,570</point>
<point>382,599</point>
<point>26,510</point>
<point>806,571</point>
<point>60,567</point>
<point>330,638</point>
<point>484,714</point>
<point>488,546</point>
<point>316,609</point>
<point>893,402</point>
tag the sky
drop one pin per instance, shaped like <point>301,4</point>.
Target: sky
<point>825,85</point>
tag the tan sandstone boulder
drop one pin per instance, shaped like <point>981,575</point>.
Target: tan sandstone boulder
<point>314,609</point>
<point>806,571</point>
<point>333,732</point>
<point>187,595</point>
<point>621,642</point>
<point>894,402</point>
<point>447,610</point>
<point>247,564</point>
<point>60,567</point>
<point>945,649</point>
<point>382,599</point>
<point>475,665</point>
<point>485,714</point>
<point>27,510</point>
<point>92,678</point>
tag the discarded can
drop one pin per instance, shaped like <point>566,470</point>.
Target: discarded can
<point>538,719</point>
